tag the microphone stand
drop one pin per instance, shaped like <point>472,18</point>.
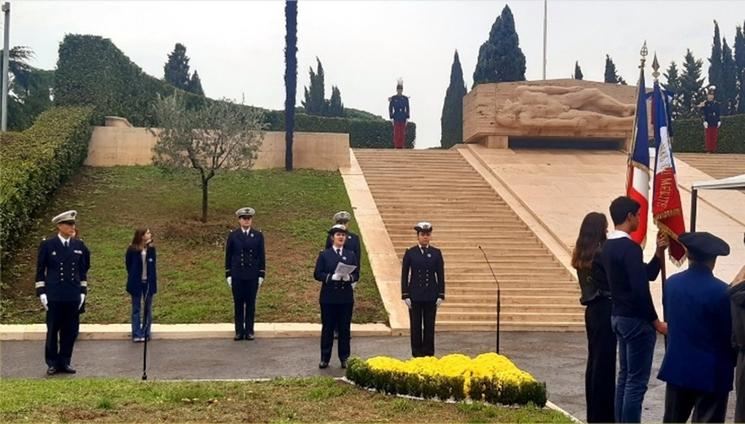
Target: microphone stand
<point>499,293</point>
<point>147,325</point>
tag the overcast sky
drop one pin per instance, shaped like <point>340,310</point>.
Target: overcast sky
<point>237,47</point>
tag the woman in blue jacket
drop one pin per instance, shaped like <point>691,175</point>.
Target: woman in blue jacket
<point>142,282</point>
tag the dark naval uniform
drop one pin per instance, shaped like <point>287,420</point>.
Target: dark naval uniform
<point>423,281</point>
<point>352,243</point>
<point>245,262</point>
<point>698,365</point>
<point>337,301</point>
<point>61,274</point>
<point>398,110</point>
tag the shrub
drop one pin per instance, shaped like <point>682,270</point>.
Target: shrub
<point>35,162</point>
<point>688,135</point>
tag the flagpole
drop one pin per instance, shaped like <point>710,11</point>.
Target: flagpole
<point>643,52</point>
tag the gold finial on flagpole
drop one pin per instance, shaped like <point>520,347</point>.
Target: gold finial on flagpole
<point>655,67</point>
<point>643,52</point>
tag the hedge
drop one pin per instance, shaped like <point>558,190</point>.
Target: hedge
<point>91,70</point>
<point>480,384</point>
<point>35,162</point>
<point>688,135</point>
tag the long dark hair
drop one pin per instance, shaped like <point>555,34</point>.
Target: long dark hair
<point>137,243</point>
<point>591,237</point>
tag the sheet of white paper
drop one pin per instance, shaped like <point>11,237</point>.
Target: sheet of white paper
<point>344,269</point>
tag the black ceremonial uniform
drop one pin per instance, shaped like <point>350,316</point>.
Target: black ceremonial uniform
<point>352,243</point>
<point>61,274</point>
<point>337,301</point>
<point>423,281</point>
<point>245,262</point>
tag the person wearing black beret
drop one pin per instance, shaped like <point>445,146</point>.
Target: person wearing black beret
<point>736,294</point>
<point>698,363</point>
<point>423,289</point>
<point>336,296</point>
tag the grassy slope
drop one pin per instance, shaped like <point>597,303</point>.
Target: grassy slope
<point>316,399</point>
<point>293,210</point>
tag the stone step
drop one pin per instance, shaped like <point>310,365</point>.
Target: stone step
<point>508,291</point>
<point>511,300</point>
<point>517,284</point>
<point>483,326</point>
<point>448,307</point>
<point>537,316</point>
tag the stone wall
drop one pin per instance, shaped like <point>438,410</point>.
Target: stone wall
<point>122,144</point>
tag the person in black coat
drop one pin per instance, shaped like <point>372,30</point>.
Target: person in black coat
<point>337,296</point>
<point>62,285</point>
<point>245,269</point>
<point>142,282</point>
<point>710,110</point>
<point>423,289</point>
<point>399,112</point>
<point>736,294</point>
<point>600,373</point>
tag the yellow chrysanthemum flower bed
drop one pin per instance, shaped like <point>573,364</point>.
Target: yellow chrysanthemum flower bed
<point>489,377</point>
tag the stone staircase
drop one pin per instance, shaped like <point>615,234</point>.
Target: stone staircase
<point>717,165</point>
<point>439,186</point>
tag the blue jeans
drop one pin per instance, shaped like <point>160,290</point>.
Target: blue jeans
<point>636,340</point>
<point>141,328</point>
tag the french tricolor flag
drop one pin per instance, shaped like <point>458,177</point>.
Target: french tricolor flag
<point>637,175</point>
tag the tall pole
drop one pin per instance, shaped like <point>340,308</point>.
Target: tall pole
<point>6,78</point>
<point>545,29</point>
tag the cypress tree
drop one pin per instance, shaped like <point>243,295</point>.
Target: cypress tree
<point>195,84</point>
<point>729,80</point>
<point>691,86</point>
<point>577,71</point>
<point>500,57</point>
<point>611,76</point>
<point>315,94</point>
<point>673,85</point>
<point>335,106</point>
<point>715,61</point>
<point>451,122</point>
<point>740,68</point>
<point>176,69</point>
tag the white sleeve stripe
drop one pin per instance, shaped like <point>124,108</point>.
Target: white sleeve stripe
<point>40,284</point>
<point>84,283</point>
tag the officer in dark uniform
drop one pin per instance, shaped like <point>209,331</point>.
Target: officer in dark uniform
<point>398,110</point>
<point>712,120</point>
<point>353,240</point>
<point>698,365</point>
<point>423,289</point>
<point>61,284</point>
<point>245,269</point>
<point>337,296</point>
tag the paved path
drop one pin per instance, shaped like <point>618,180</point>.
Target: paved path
<point>556,358</point>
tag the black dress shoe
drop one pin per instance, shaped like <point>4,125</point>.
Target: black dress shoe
<point>323,365</point>
<point>250,336</point>
<point>344,363</point>
<point>238,337</point>
<point>67,370</point>
<point>51,370</point>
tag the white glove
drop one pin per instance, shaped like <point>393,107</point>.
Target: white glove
<point>354,285</point>
<point>407,301</point>
<point>44,301</point>
<point>336,277</point>
<point>439,302</point>
<point>347,277</point>
<point>719,124</point>
<point>706,124</point>
<point>261,281</point>
<point>230,282</point>
<point>82,300</point>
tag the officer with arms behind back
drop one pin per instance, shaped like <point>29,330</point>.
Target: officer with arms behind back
<point>245,269</point>
<point>423,289</point>
<point>61,284</point>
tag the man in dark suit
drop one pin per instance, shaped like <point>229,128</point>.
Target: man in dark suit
<point>633,316</point>
<point>337,296</point>
<point>62,284</point>
<point>398,111</point>
<point>423,289</point>
<point>245,269</point>
<point>698,365</point>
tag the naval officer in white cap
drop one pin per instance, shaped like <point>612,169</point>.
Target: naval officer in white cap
<point>62,284</point>
<point>245,269</point>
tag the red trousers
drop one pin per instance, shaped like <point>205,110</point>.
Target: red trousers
<point>399,134</point>
<point>712,133</point>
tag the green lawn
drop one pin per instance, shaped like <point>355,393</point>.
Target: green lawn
<point>318,399</point>
<point>294,211</point>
